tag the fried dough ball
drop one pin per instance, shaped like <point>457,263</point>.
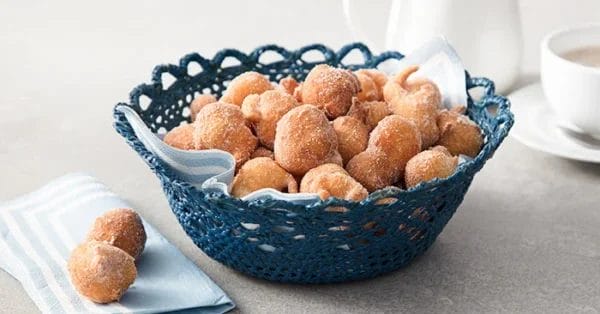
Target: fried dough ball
<point>369,112</point>
<point>181,137</point>
<point>398,138</point>
<point>392,143</point>
<point>298,93</point>
<point>121,227</point>
<point>368,89</point>
<point>378,77</point>
<point>331,180</point>
<point>424,118</point>
<point>288,84</point>
<point>402,91</point>
<point>100,271</point>
<point>417,100</point>
<point>372,169</point>
<point>222,126</point>
<point>199,102</point>
<point>458,133</point>
<point>304,139</point>
<point>245,84</point>
<point>260,173</point>
<point>262,152</point>
<point>352,136</point>
<point>330,89</point>
<point>264,110</point>
<point>427,165</point>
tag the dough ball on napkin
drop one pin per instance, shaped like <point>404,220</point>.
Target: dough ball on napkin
<point>121,227</point>
<point>100,271</point>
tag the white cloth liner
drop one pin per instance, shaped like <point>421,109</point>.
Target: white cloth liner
<point>214,169</point>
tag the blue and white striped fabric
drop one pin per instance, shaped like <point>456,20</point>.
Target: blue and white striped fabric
<point>39,230</point>
<point>205,169</point>
<point>195,167</point>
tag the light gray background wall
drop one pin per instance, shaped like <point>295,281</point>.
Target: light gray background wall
<point>43,41</point>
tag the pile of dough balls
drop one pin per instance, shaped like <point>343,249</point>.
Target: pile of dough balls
<point>337,134</point>
<point>103,267</point>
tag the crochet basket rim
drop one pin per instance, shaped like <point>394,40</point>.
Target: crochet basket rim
<point>503,116</point>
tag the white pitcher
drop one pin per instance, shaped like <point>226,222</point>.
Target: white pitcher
<point>486,34</point>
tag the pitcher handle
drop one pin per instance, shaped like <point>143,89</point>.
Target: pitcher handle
<point>357,24</point>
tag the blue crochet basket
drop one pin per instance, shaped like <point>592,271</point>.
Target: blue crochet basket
<point>281,241</point>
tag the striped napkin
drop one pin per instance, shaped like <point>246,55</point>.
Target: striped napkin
<point>39,230</point>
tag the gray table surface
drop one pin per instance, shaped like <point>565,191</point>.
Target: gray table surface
<point>525,239</point>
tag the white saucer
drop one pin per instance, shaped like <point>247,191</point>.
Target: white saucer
<point>538,127</point>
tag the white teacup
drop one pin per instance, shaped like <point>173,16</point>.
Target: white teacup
<point>572,88</point>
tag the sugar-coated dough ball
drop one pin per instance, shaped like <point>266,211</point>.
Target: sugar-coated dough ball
<point>378,77</point>
<point>403,91</point>
<point>425,120</point>
<point>181,137</point>
<point>392,143</point>
<point>262,152</point>
<point>222,126</point>
<point>245,84</point>
<point>100,271</point>
<point>304,139</point>
<point>352,136</point>
<point>369,91</point>
<point>458,133</point>
<point>417,100</point>
<point>120,227</point>
<point>398,138</point>
<point>331,180</point>
<point>265,110</point>
<point>427,165</point>
<point>298,93</point>
<point>319,170</point>
<point>288,84</point>
<point>199,102</point>
<point>373,170</point>
<point>330,89</point>
<point>369,112</point>
<point>260,173</point>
